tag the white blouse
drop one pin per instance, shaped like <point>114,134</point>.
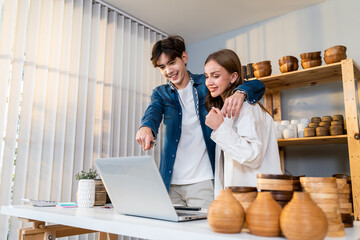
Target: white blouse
<point>245,146</point>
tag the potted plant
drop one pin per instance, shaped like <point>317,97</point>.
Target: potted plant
<point>86,188</point>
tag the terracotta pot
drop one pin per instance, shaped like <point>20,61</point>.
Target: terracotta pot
<point>225,213</point>
<point>263,215</point>
<point>303,219</point>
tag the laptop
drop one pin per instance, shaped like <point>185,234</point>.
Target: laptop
<point>136,188</point>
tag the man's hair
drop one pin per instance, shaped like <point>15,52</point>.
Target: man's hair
<point>173,47</point>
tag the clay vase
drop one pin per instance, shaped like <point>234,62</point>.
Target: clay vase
<point>263,216</point>
<point>303,219</point>
<point>225,213</point>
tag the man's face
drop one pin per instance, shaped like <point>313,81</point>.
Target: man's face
<point>174,70</point>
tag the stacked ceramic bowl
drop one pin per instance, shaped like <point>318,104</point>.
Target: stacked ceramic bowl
<point>290,128</point>
<point>345,198</point>
<point>310,59</point>
<point>278,131</point>
<point>288,64</point>
<point>324,126</point>
<point>335,54</point>
<point>280,186</point>
<point>284,126</point>
<point>337,125</point>
<point>309,132</point>
<point>262,69</point>
<point>280,127</point>
<point>304,122</point>
<point>289,132</point>
<point>324,193</point>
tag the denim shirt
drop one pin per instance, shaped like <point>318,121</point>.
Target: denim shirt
<point>165,106</point>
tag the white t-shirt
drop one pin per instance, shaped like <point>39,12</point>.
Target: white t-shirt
<point>192,164</point>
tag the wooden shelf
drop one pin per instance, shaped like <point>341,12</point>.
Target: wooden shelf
<point>346,71</point>
<point>306,77</point>
<point>313,140</point>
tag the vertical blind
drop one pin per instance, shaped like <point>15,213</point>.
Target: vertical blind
<point>75,79</point>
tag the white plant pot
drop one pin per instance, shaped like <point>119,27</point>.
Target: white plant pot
<point>86,193</point>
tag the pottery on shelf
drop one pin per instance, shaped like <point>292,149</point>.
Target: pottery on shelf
<point>302,219</point>
<point>263,215</point>
<point>225,213</point>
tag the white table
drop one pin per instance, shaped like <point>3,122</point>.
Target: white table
<point>106,220</point>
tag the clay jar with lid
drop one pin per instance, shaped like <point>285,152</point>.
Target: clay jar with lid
<point>263,215</point>
<point>225,213</point>
<point>302,219</point>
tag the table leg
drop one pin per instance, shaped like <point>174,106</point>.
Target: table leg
<point>41,232</point>
<point>39,236</point>
<point>107,236</point>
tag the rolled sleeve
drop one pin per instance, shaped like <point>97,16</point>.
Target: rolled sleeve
<point>254,90</point>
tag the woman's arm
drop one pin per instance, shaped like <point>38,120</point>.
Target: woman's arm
<point>244,144</point>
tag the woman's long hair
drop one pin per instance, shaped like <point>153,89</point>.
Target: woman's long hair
<point>229,60</point>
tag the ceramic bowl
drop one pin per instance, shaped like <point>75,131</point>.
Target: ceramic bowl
<point>262,65</point>
<point>310,55</point>
<point>289,67</point>
<point>310,59</point>
<point>335,50</point>
<point>262,73</point>
<point>310,64</point>
<point>334,58</point>
<point>287,59</point>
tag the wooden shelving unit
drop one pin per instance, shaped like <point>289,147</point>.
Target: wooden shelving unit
<point>303,78</point>
<point>312,140</point>
<point>346,71</point>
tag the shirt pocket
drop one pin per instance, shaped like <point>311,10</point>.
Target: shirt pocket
<point>170,111</point>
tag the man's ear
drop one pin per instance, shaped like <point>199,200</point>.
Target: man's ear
<point>234,76</point>
<point>184,57</point>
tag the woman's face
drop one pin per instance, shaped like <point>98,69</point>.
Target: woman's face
<point>218,79</point>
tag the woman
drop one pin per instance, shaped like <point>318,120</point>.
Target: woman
<point>246,145</point>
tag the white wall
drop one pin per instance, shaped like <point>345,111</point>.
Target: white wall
<point>334,22</point>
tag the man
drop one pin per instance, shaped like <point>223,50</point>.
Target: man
<point>188,153</point>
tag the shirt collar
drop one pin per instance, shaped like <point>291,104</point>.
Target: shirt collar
<point>192,81</point>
